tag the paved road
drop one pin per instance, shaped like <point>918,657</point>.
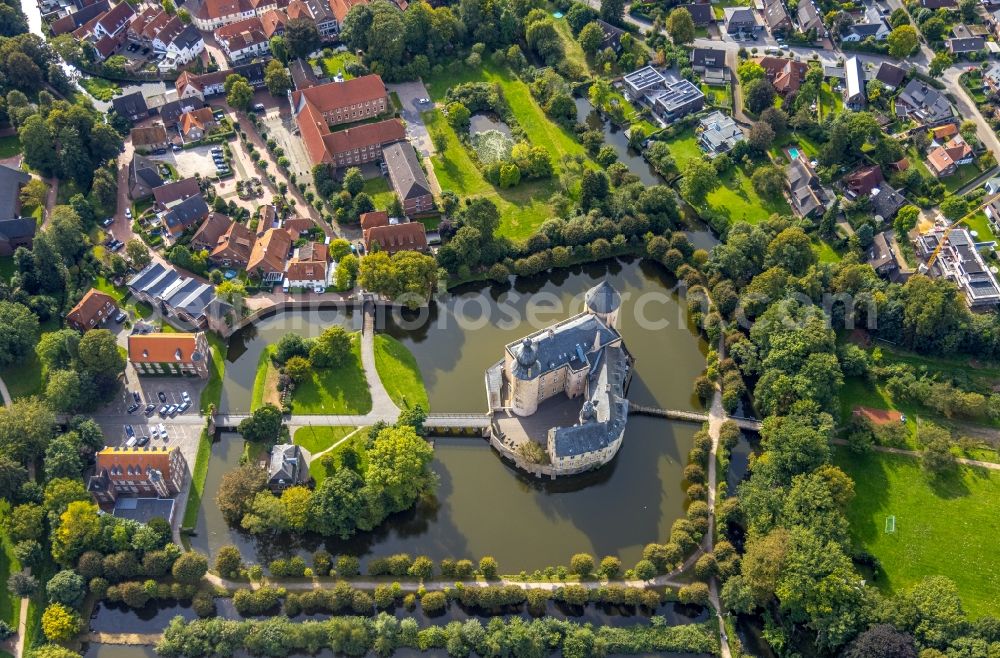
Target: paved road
<point>967,108</point>
<point>409,94</point>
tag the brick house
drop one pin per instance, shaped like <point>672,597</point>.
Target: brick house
<point>408,179</point>
<point>92,310</point>
<point>169,354</point>
<point>147,471</point>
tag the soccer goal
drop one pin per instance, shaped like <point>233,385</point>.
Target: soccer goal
<point>890,525</point>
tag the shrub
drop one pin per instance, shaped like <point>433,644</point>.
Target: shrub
<point>190,567</point>
<point>432,602</point>
<point>488,567</point>
<point>348,566</point>
<point>644,570</point>
<point>228,562</point>
<point>581,564</point>
<point>695,593</point>
<point>204,604</point>
<point>610,567</point>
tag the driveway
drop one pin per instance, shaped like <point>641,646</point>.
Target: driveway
<point>189,162</point>
<point>409,94</point>
<point>282,129</point>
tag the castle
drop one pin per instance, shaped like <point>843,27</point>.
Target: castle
<point>580,357</point>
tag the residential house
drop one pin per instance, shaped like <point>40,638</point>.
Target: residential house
<point>148,471</point>
<point>170,113</point>
<point>809,18</point>
<point>317,11</point>
<point>785,75</point>
<point>376,218</point>
<point>855,94</point>
<point>612,35</point>
<point>286,468</point>
<point>149,138</point>
<point>407,178</point>
<point>143,177</point>
<point>107,31</point>
<point>966,46</point>
<point>344,101</point>
<point>809,199</point>
<point>208,234</point>
<point>863,180</point>
<point>269,254</point>
<point>701,13</point>
<point>77,19</point>
<point>872,26</point>
<point>201,86</point>
<point>890,75</point>
<point>92,310</point>
<point>991,79</point>
<point>184,215</point>
<point>308,267</point>
<point>960,262</point>
<point>741,21</point>
<point>944,161</point>
<point>718,133</point>
<point>677,100</point>
<point>273,23</point>
<point>213,14</point>
<point>169,195</point>
<point>170,354</point>
<point>147,24</point>
<point>131,106</point>
<point>710,65</point>
<point>776,17</point>
<point>176,296</point>
<point>639,84</point>
<point>923,103</point>
<point>243,39</point>
<point>15,231</point>
<point>881,255</point>
<point>886,202</point>
<point>233,247</point>
<point>944,132</point>
<point>180,46</point>
<point>396,236</point>
<point>194,125</point>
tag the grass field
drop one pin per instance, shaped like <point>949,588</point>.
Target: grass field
<point>358,442</point>
<point>736,199</point>
<point>524,207</point>
<point>380,192</point>
<point>10,146</point>
<point>265,369</point>
<point>10,606</point>
<point>685,148</point>
<point>24,379</point>
<point>825,252</point>
<point>981,225</point>
<point>947,527</point>
<point>335,64</point>
<point>101,89</point>
<point>318,439</point>
<point>399,373</point>
<point>571,47</point>
<point>341,390</point>
<point>831,102</point>
<point>721,93</point>
<point>210,396</point>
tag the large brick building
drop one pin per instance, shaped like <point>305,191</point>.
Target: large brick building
<point>169,354</point>
<point>346,101</point>
<point>137,472</point>
<point>91,311</point>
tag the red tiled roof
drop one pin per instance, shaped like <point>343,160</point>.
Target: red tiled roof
<point>270,251</point>
<point>201,119</point>
<point>163,348</point>
<point>242,34</point>
<point>212,9</point>
<point>383,132</point>
<point>410,236</point>
<point>373,219</point>
<point>148,135</point>
<point>87,308</point>
<point>334,95</point>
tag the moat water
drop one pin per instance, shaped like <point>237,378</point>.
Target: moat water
<point>483,506</point>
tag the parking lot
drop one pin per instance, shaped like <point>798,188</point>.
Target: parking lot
<point>192,161</point>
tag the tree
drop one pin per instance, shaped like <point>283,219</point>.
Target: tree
<point>933,29</point>
<point>600,93</point>
<point>488,567</point>
<point>903,41</point>
<point>581,564</point>
<point>612,11</point>
<point>26,427</point>
<point>239,93</point>
<point>38,145</point>
<point>758,96</point>
<point>33,193</point>
<point>398,469</point>
<point>22,584</point>
<point>100,358</point>
<point>792,250</point>
<point>680,26</point>
<point>237,491</point>
<point>937,458</point>
<point>296,501</point>
<point>62,456</point>
<point>594,189</point>
<point>18,333</point>
<point>968,10</point>
<point>276,78</point>
<point>354,181</point>
<point>58,349</point>
<point>332,349</point>
<point>59,623</point>
<point>263,424</point>
<point>933,612</point>
<point>137,252</point>
<point>749,70</point>
<point>301,37</point>
<point>297,369</point>
<point>190,567</point>
<point>761,136</point>
<point>289,345</point>
<point>228,561</point>
<point>768,181</point>
<point>64,391</point>
<point>66,587</point>
<point>699,180</point>
<point>882,641</point>
<point>79,529</point>
<point>590,38</point>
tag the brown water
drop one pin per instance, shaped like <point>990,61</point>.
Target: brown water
<point>482,506</point>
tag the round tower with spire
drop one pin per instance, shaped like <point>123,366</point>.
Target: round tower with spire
<point>525,381</point>
<point>604,301</point>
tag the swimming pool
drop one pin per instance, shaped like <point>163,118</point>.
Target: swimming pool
<point>794,153</point>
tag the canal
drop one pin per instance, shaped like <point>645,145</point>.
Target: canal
<point>482,506</point>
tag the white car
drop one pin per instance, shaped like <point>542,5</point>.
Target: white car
<point>163,430</point>
<point>128,213</point>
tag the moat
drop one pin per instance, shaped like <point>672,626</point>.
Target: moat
<point>483,505</point>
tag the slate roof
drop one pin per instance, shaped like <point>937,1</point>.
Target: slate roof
<point>886,202</point>
<point>286,465</point>
<point>13,229</point>
<point>890,75</point>
<point>11,181</point>
<point>130,105</point>
<point>603,298</point>
<point>407,177</point>
<point>567,344</point>
<point>186,213</point>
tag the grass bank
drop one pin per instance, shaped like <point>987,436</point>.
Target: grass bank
<point>399,373</point>
<point>341,390</point>
<point>210,396</point>
<point>946,526</point>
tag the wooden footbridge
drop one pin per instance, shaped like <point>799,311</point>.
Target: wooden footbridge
<point>751,424</point>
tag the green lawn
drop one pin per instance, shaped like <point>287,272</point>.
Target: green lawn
<point>722,95</point>
<point>210,396</point>
<point>101,89</point>
<point>380,192</point>
<point>981,226</point>
<point>684,147</point>
<point>736,199</point>
<point>524,207</point>
<point>825,252</point>
<point>24,379</point>
<point>341,390</point>
<point>335,64</point>
<point>9,146</point>
<point>318,439</point>
<point>571,47</point>
<point>264,365</point>
<point>358,442</point>
<point>399,373</point>
<point>10,606</point>
<point>962,177</point>
<point>830,101</point>
<point>946,527</point>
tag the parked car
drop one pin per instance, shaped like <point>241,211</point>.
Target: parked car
<point>176,148</point>
<point>108,222</point>
<point>117,245</point>
<point>131,442</point>
<point>423,101</point>
<point>162,396</point>
<point>128,213</point>
<point>132,407</point>
<point>129,430</point>
<point>184,407</point>
<point>185,396</point>
<point>172,410</point>
<point>143,440</point>
<point>136,397</point>
<point>163,411</point>
<point>163,430</point>
<point>150,408</point>
<point>259,107</point>
<point>121,317</point>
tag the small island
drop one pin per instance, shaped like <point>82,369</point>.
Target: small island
<point>584,356</point>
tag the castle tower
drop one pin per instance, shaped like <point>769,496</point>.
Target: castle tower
<point>525,380</point>
<point>604,301</point>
